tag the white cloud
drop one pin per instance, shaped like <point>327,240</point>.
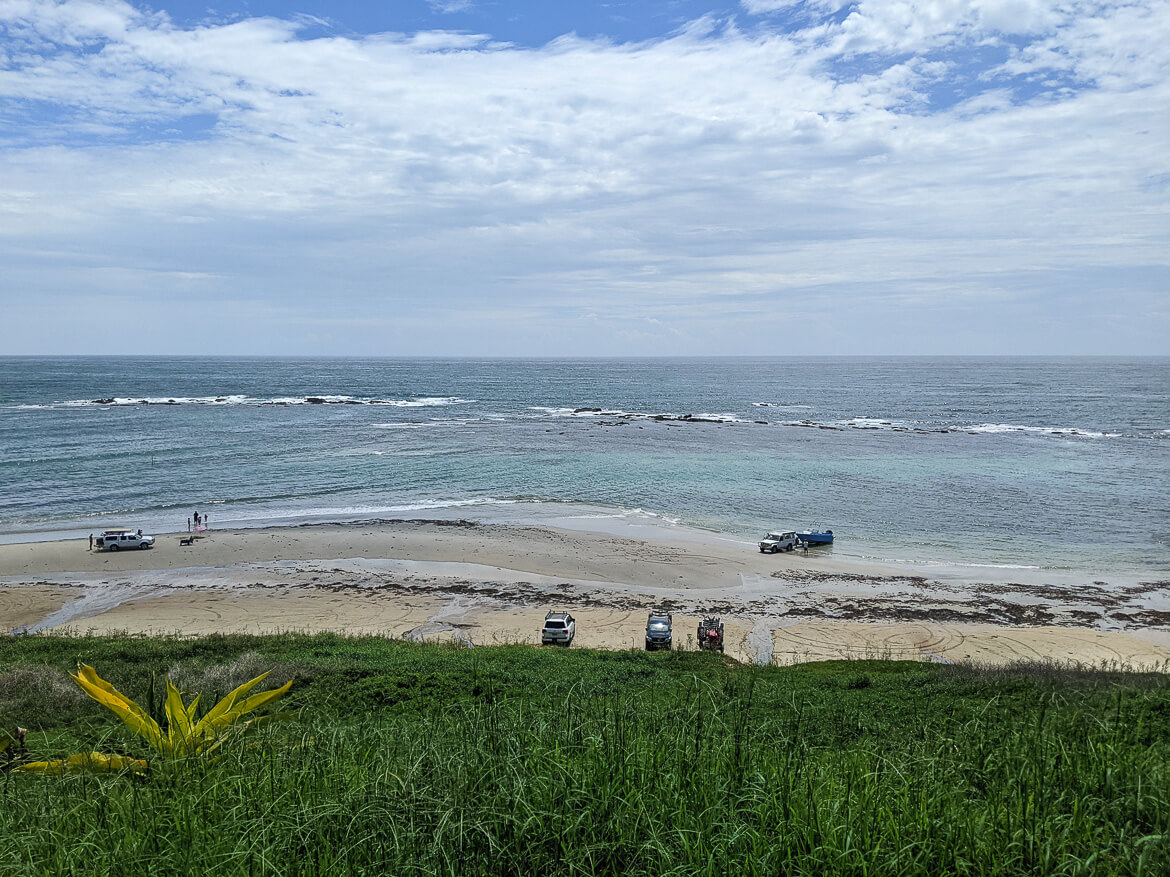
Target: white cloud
<point>688,180</point>
<point>901,26</point>
<point>71,23</point>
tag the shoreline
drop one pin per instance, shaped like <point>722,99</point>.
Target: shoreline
<point>484,583</point>
<point>637,523</point>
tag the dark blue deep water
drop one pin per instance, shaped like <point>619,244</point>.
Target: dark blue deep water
<point>1052,462</point>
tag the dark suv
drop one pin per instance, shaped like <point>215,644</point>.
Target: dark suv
<point>658,633</point>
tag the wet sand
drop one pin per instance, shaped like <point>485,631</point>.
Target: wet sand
<point>538,550</point>
<point>23,606</point>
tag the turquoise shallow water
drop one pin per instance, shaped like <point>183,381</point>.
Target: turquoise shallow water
<point>1057,463</point>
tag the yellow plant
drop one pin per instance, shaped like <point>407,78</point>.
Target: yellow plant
<point>184,735</point>
<point>84,762</point>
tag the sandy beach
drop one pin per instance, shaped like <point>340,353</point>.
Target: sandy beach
<point>485,584</point>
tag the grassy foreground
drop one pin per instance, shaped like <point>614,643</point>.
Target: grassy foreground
<point>515,760</point>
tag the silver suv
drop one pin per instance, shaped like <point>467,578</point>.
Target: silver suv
<point>559,629</point>
<point>774,542</point>
<point>116,540</point>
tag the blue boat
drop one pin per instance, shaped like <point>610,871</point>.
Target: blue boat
<point>815,537</point>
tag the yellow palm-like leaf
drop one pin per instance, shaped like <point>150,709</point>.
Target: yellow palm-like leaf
<point>215,716</point>
<point>84,762</point>
<point>229,700</point>
<point>184,735</point>
<point>244,728</point>
<point>178,722</point>
<point>191,709</point>
<point>134,716</point>
<point>261,700</point>
<point>214,723</point>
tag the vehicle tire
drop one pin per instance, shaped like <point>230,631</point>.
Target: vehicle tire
<point>144,546</point>
<point>113,548</point>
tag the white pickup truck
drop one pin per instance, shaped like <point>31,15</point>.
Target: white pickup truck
<point>774,542</point>
<point>116,540</point>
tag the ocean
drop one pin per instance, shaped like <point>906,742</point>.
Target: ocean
<point>1008,463</point>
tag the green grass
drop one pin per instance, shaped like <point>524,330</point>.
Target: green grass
<point>515,760</point>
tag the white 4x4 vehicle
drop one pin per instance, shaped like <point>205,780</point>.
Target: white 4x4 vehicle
<point>116,540</point>
<point>774,542</point>
<point>559,629</point>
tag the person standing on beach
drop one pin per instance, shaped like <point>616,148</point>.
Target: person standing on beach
<point>91,541</point>
<point>188,524</point>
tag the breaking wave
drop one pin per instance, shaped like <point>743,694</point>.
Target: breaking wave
<point>877,424</point>
<point>233,399</point>
<point>619,414</point>
<point>593,412</point>
<point>1040,430</point>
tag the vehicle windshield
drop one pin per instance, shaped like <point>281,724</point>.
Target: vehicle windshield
<point>556,624</point>
<point>659,625</point>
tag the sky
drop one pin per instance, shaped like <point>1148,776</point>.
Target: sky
<point>624,178</point>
